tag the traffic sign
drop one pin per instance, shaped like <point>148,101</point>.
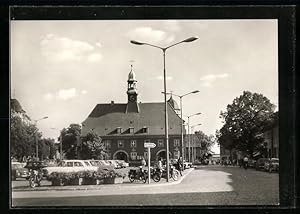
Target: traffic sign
<point>149,145</point>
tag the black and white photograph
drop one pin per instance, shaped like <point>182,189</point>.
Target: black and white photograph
<point>162,112</point>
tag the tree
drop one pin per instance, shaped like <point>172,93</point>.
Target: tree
<point>22,136</point>
<point>47,148</point>
<point>244,121</point>
<point>92,147</point>
<point>71,140</point>
<point>204,141</point>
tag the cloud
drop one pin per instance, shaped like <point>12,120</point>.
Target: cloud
<point>64,94</point>
<point>61,49</point>
<point>147,34</point>
<point>208,80</point>
<point>161,77</point>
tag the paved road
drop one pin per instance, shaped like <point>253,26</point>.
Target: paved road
<point>203,186</point>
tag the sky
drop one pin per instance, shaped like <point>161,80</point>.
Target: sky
<point>63,69</point>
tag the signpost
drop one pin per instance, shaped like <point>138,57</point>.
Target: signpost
<point>149,146</point>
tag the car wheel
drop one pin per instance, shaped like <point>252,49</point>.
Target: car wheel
<point>131,178</point>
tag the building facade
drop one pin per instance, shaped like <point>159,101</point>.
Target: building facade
<point>125,127</point>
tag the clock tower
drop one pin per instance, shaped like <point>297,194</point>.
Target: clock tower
<point>131,87</point>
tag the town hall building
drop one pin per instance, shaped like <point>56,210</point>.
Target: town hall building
<point>125,127</point>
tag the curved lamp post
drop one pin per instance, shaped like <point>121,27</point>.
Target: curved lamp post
<point>164,49</point>
<point>181,96</point>
<point>36,140</point>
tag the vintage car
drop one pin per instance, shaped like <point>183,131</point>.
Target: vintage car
<point>122,163</point>
<point>18,171</point>
<point>70,166</point>
<point>187,165</point>
<point>272,165</point>
<point>260,163</point>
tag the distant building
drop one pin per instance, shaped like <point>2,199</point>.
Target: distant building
<point>125,127</point>
<point>271,142</point>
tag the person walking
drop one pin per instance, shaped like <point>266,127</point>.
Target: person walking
<point>180,165</point>
<point>245,160</point>
<point>143,162</point>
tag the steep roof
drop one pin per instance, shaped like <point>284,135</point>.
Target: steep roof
<point>106,118</point>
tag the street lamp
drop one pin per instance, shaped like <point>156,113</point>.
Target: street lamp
<point>189,151</point>
<point>164,49</point>
<point>181,96</point>
<point>36,140</point>
<point>60,143</point>
<point>193,142</point>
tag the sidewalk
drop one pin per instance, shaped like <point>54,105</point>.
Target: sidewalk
<point>106,187</point>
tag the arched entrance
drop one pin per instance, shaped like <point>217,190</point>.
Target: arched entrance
<point>121,155</point>
<point>162,154</point>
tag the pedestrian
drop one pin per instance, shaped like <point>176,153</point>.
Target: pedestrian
<point>245,160</point>
<point>159,164</point>
<point>180,165</point>
<point>143,162</point>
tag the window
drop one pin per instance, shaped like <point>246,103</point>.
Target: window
<point>120,144</point>
<point>176,154</point>
<point>131,130</point>
<point>119,130</point>
<point>133,143</point>
<point>145,129</point>
<point>160,143</point>
<point>78,164</point>
<point>107,143</point>
<point>133,155</point>
<point>87,163</point>
<point>176,142</point>
<point>69,164</point>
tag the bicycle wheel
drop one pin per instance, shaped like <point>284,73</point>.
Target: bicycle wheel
<point>131,178</point>
<point>175,175</point>
<point>32,183</point>
<point>156,177</point>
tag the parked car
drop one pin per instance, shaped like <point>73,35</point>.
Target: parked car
<point>123,164</point>
<point>252,163</point>
<point>18,171</point>
<point>187,165</point>
<point>114,163</point>
<point>272,165</point>
<point>101,164</point>
<point>260,163</point>
<point>70,166</point>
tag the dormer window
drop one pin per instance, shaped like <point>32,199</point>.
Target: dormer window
<point>145,129</point>
<point>131,130</point>
<point>119,130</point>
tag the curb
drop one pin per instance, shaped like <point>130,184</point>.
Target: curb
<point>93,187</point>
